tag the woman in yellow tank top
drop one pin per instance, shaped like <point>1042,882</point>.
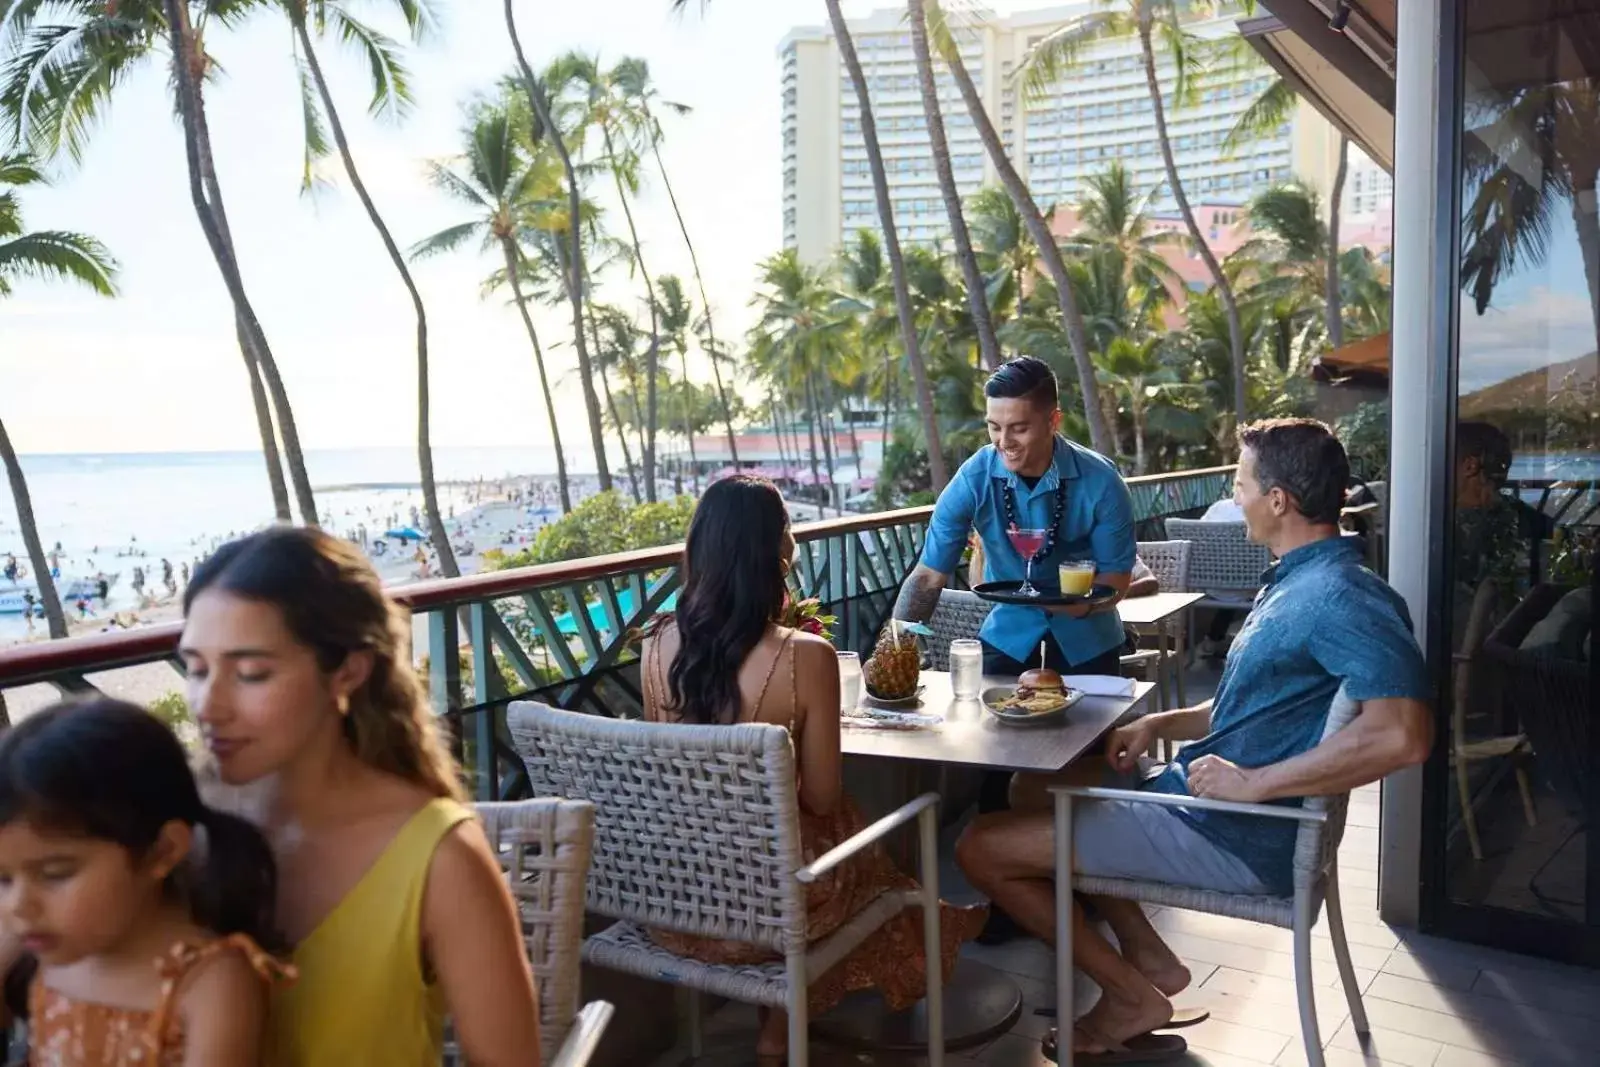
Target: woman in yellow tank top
<point>299,674</point>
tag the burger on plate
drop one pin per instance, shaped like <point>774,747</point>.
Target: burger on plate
<point>1041,680</point>
<point>1038,691</point>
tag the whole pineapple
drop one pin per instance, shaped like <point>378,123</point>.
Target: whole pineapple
<point>893,669</point>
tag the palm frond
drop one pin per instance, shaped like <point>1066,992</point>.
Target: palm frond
<point>317,146</point>
<point>421,17</point>
<point>391,82</point>
<point>1266,114</point>
<point>62,256</point>
<point>19,169</point>
<point>58,81</point>
<point>1054,57</point>
<point>449,239</point>
<point>444,179</point>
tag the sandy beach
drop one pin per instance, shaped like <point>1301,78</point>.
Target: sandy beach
<point>504,515</point>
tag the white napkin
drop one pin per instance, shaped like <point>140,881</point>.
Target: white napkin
<point>1100,685</point>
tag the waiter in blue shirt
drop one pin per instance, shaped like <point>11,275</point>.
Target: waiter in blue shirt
<point>1030,477</point>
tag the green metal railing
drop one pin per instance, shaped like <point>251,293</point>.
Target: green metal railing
<point>566,633</point>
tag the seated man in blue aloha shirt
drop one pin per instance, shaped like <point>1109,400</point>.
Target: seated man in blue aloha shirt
<point>1322,621</point>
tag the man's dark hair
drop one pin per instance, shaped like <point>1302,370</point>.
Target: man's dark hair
<point>1488,445</point>
<point>1304,459</point>
<point>1025,378</point>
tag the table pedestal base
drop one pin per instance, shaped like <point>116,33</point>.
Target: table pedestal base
<point>980,1004</point>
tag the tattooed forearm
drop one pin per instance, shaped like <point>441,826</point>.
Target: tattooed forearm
<point>919,595</point>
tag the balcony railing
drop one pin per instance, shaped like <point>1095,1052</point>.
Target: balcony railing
<point>566,633</point>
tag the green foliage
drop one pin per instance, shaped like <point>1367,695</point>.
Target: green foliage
<point>172,709</point>
<point>1365,433</point>
<point>602,524</point>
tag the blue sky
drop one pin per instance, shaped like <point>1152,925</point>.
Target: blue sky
<point>158,368</point>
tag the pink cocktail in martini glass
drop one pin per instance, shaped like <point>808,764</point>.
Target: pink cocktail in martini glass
<point>1028,543</point>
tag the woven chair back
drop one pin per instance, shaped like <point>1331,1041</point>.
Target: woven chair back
<point>696,827</point>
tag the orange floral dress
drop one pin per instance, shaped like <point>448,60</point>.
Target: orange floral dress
<point>63,1032</point>
<point>892,959</point>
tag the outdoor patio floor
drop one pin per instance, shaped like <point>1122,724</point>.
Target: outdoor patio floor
<point>1430,1002</point>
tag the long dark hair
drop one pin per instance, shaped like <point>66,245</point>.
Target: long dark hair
<point>334,604</point>
<point>733,590</point>
<point>112,771</point>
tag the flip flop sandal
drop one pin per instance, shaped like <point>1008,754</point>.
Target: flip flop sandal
<point>1143,1048</point>
<point>1182,1019</point>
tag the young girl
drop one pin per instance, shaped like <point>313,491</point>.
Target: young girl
<point>135,917</point>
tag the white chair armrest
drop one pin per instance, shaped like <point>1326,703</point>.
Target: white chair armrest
<point>845,849</point>
<point>1174,800</point>
<point>584,1037</point>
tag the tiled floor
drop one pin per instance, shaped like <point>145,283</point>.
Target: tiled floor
<point>1431,1003</point>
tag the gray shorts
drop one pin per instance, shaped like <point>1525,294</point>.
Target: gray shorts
<point>1152,843</point>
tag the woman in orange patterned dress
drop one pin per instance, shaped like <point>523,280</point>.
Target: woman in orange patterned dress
<point>136,918</point>
<point>722,658</point>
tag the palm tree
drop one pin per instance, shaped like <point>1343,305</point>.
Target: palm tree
<point>1099,434</point>
<point>1113,217</point>
<point>1053,56</point>
<point>1265,116</point>
<point>504,185</point>
<point>602,106</point>
<point>891,242</point>
<point>977,292</point>
<point>674,315</point>
<point>798,339</point>
<point>1133,368</point>
<point>1006,254</point>
<point>891,238</point>
<point>573,273</point>
<point>65,61</point>
<point>391,94</point>
<point>870,296</point>
<point>1533,152</point>
<point>55,255</point>
<point>605,358</point>
<point>631,77</point>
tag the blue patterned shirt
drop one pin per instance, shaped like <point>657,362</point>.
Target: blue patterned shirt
<point>1323,620</point>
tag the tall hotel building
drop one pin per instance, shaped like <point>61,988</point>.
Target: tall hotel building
<point>1098,113</point>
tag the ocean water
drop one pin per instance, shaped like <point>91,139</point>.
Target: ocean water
<point>112,512</point>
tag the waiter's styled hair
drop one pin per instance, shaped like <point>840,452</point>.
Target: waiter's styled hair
<point>1025,378</point>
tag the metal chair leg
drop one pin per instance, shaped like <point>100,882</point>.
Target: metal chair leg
<point>1341,953</point>
<point>1464,790</point>
<point>799,1024</point>
<point>1305,992</point>
<point>1064,972</point>
<point>928,835</point>
<point>697,1037</point>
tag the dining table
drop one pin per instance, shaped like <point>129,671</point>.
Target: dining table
<point>1148,615</point>
<point>948,734</point>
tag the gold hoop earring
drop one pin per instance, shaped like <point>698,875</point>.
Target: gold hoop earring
<point>785,566</point>
<point>343,704</point>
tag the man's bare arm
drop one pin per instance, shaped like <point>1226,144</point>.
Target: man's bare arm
<point>1183,724</point>
<point>1388,735</point>
<point>920,594</point>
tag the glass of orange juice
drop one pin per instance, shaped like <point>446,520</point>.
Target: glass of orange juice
<point>1077,577</point>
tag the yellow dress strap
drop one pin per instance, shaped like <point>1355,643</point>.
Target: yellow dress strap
<point>185,956</point>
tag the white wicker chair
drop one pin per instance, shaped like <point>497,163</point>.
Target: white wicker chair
<point>1223,564</point>
<point>545,847</point>
<point>697,830</point>
<point>1169,562</point>
<point>1316,880</point>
